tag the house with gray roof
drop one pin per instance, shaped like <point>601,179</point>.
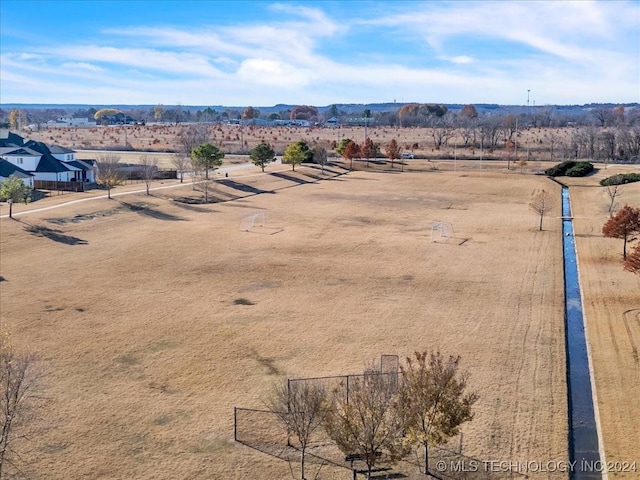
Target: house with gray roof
<point>8,169</point>
<point>47,164</point>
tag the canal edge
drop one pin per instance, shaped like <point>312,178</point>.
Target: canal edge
<point>594,388</point>
<point>594,393</point>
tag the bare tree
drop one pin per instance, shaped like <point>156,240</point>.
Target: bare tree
<point>607,146</point>
<point>17,379</point>
<point>299,407</point>
<point>193,136</point>
<point>541,204</point>
<point>602,115</point>
<point>613,191</point>
<point>181,162</point>
<point>490,132</point>
<point>508,127</point>
<point>320,157</point>
<point>624,225</point>
<point>469,131</point>
<point>554,141</point>
<point>148,170</point>
<point>433,400</point>
<point>522,163</point>
<point>366,422</point>
<point>109,171</point>
<point>441,130</point>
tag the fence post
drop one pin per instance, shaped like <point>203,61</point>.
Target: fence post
<point>235,424</point>
<point>347,389</point>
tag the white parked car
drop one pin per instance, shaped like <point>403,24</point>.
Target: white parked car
<point>407,155</point>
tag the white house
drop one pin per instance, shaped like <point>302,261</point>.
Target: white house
<point>8,169</point>
<point>71,122</point>
<point>48,164</point>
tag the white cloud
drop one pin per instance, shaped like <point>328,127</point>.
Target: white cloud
<point>460,59</point>
<point>81,66</point>
<point>270,72</point>
<point>566,52</point>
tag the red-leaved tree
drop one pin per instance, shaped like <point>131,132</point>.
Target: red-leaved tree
<point>624,225</point>
<point>351,151</point>
<point>632,263</point>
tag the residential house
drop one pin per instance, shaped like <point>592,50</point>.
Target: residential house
<point>47,164</point>
<point>71,122</point>
<point>8,169</point>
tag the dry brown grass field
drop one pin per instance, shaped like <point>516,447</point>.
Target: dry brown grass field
<point>131,304</point>
<point>236,139</point>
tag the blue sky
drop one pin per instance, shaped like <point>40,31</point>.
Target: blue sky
<point>262,53</point>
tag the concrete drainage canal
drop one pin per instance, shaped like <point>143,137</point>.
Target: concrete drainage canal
<point>583,434</point>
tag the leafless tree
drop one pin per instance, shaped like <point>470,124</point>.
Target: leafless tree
<point>441,130</point>
<point>607,145</point>
<point>522,163</point>
<point>629,142</point>
<point>508,127</point>
<point>148,170</point>
<point>181,162</point>
<point>320,157</point>
<point>468,131</point>
<point>109,171</point>
<point>541,203</point>
<point>192,137</point>
<point>554,142</point>
<point>17,379</point>
<point>433,400</point>
<point>613,191</point>
<point>299,406</point>
<point>489,132</point>
<point>602,115</point>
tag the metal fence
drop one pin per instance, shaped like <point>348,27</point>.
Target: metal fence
<point>60,186</point>
<point>263,430</point>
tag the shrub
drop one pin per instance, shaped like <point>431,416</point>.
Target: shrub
<point>570,169</point>
<point>620,179</point>
<point>580,169</point>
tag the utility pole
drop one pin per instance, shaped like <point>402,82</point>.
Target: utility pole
<point>528,109</point>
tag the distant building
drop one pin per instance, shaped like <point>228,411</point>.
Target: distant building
<point>71,122</point>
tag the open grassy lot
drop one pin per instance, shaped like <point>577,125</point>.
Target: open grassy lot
<point>138,309</point>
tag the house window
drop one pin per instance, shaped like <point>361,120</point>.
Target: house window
<point>19,160</point>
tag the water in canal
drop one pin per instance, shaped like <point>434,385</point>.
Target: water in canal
<point>583,434</point>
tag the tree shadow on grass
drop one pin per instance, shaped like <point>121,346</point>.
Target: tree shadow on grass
<point>284,176</point>
<point>241,187</point>
<point>53,234</point>
<point>147,211</point>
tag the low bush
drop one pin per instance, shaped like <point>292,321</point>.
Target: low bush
<point>620,179</point>
<point>570,169</point>
<point>580,169</point>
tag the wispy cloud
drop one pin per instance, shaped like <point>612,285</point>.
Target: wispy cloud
<point>567,52</point>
